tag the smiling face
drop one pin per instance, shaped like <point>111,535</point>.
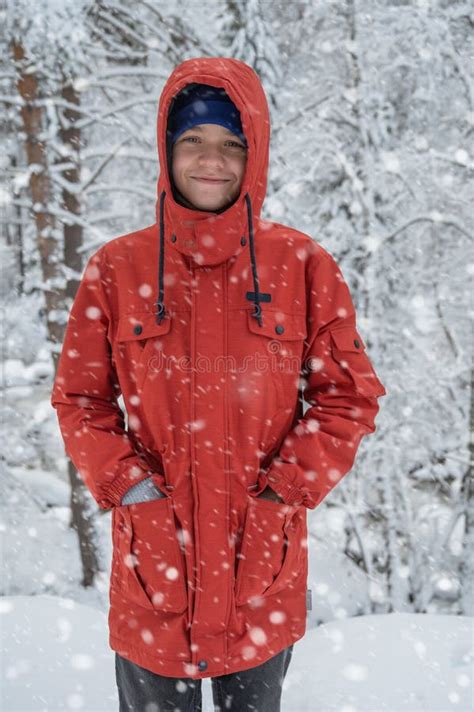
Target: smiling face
<point>208,165</point>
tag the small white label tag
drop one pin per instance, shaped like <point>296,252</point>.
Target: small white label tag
<point>309,600</point>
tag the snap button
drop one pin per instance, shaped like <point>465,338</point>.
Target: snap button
<point>279,329</point>
<point>356,343</point>
<point>243,241</point>
<point>173,238</point>
<point>137,329</point>
<point>202,665</point>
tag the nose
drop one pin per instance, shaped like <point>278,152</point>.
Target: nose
<point>211,156</point>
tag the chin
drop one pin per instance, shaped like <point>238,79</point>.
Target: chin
<point>202,205</point>
<point>212,206</point>
<point>216,208</point>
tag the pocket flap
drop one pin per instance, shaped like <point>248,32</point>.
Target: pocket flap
<point>141,325</point>
<point>348,339</point>
<point>278,325</point>
<point>359,369</point>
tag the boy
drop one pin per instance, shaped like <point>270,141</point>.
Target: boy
<point>210,484</point>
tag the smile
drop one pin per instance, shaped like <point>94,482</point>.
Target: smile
<point>211,181</point>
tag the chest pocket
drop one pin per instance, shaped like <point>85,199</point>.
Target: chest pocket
<point>139,339</point>
<point>282,336</point>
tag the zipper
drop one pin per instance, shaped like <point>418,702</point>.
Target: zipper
<point>193,471</point>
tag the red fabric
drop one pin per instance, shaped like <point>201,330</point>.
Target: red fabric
<point>212,579</point>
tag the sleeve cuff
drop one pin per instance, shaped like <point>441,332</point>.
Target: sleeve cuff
<point>284,488</point>
<point>273,477</point>
<point>131,475</point>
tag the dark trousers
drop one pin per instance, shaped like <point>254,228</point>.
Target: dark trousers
<point>255,690</point>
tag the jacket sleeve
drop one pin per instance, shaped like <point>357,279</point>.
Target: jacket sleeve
<point>85,393</point>
<point>341,388</point>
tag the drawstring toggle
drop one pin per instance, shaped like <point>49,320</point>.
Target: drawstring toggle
<point>257,313</point>
<point>160,314</point>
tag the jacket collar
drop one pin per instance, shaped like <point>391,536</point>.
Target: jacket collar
<point>207,238</point>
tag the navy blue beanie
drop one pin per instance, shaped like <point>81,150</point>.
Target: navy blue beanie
<point>203,104</point>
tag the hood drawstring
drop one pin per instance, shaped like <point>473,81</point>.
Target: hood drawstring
<point>161,311</point>
<point>258,309</point>
<point>160,314</point>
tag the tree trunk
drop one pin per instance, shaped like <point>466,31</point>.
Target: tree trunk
<point>40,185</point>
<point>42,197</point>
<point>83,521</point>
<point>467,495</point>
<point>14,238</point>
<point>82,515</point>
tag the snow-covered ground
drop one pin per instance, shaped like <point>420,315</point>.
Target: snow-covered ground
<point>55,653</point>
<point>56,657</point>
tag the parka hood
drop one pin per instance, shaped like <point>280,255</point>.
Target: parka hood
<point>210,238</point>
<point>243,86</point>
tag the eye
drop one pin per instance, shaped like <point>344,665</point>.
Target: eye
<point>233,143</point>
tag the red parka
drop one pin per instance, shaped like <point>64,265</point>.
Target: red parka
<point>205,323</point>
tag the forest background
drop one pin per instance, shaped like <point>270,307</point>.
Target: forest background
<point>372,118</point>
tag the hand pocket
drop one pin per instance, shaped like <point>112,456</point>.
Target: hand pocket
<point>148,565</point>
<point>143,491</point>
<point>270,494</point>
<point>273,553</point>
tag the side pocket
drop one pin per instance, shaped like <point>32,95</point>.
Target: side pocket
<point>143,491</point>
<point>148,562</point>
<point>274,545</point>
<point>348,350</point>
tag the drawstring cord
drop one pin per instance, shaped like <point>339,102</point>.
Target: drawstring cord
<point>160,314</point>
<point>161,311</point>
<point>258,309</point>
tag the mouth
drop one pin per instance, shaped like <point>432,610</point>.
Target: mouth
<point>210,181</point>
